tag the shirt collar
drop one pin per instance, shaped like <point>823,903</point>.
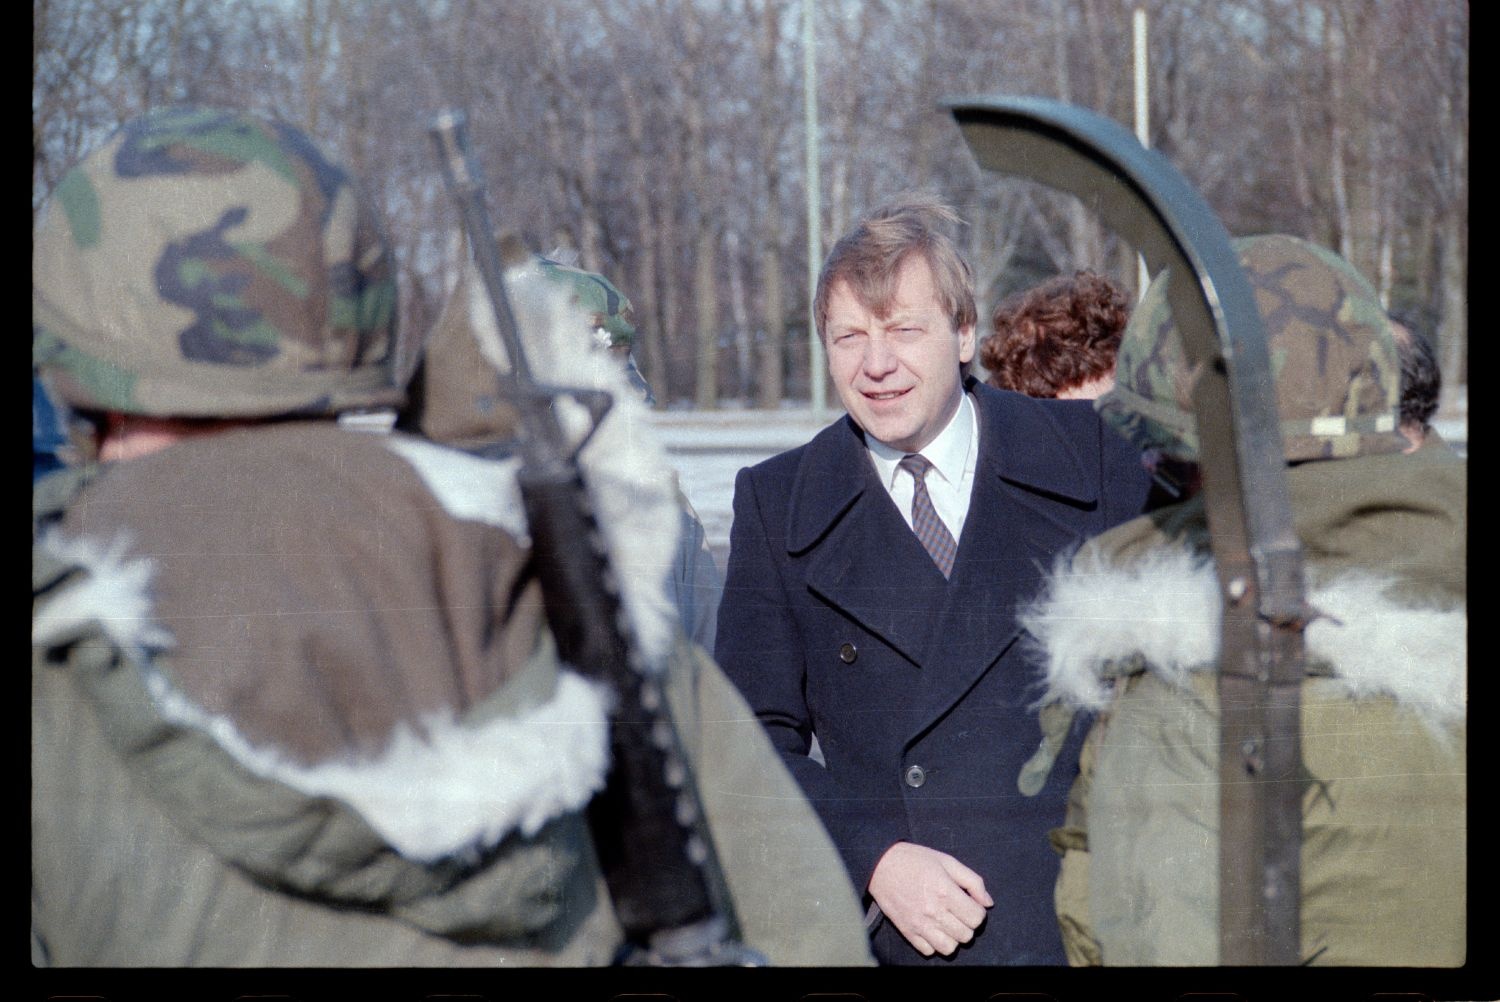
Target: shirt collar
<point>949,453</point>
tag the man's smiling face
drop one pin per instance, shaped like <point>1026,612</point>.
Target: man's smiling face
<point>897,373</point>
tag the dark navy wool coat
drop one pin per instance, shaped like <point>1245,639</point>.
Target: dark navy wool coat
<point>836,621</point>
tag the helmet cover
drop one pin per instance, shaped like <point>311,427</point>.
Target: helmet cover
<point>1331,350</point>
<point>209,263</point>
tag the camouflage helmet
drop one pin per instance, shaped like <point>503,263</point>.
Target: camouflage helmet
<point>564,314</point>
<point>609,313</point>
<point>606,310</point>
<point>1331,349</point>
<point>208,263</point>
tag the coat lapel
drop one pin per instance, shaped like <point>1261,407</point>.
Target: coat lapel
<point>1028,452</point>
<point>862,557</point>
<point>864,560</point>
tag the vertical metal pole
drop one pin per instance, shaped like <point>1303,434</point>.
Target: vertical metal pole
<point>815,365</point>
<point>1142,121</point>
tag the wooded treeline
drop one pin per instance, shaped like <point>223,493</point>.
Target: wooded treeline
<point>664,141</point>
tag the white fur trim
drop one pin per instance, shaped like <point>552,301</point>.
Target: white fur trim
<point>630,482</point>
<point>461,789</point>
<point>457,791</point>
<point>1092,613</point>
<point>114,592</point>
<point>469,488</point>
<point>1165,609</point>
<point>1417,656</point>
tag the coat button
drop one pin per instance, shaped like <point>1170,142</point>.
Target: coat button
<point>915,776</point>
<point>848,653</point>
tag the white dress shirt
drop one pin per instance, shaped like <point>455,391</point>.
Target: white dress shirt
<point>953,455</point>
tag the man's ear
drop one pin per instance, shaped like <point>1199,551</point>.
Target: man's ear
<point>966,344</point>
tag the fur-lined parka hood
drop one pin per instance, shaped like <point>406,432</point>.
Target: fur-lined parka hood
<point>1384,541</point>
<point>324,650</point>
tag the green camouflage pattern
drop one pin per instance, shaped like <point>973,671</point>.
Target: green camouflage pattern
<point>1332,355</point>
<point>606,310</point>
<point>609,314</point>
<point>208,263</point>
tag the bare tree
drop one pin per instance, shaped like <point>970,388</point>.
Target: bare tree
<point>773,96</point>
<point>659,136</point>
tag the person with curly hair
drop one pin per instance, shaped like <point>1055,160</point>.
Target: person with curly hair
<point>1057,339</point>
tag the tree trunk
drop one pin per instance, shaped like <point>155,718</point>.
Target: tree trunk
<point>671,307</point>
<point>649,350</point>
<point>739,313</point>
<point>771,120</point>
<point>706,294</point>
<point>1453,333</point>
<point>770,383</point>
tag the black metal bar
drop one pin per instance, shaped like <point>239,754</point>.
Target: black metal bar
<point>1259,559</point>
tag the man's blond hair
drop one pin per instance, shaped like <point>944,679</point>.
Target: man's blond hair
<point>869,258</point>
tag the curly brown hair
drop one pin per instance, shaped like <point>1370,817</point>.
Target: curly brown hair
<point>1056,336</point>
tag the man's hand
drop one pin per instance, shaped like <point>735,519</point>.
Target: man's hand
<point>935,901</point>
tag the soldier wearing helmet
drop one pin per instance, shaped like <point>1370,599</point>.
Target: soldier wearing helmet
<point>294,700</point>
<point>1129,627</point>
<point>458,400</point>
<point>610,316</point>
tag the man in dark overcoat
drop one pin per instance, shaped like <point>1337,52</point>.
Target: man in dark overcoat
<point>871,596</point>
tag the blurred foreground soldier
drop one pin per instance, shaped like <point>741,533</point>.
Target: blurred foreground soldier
<point>1130,628</point>
<point>1057,339</point>
<point>456,400</point>
<point>294,701</point>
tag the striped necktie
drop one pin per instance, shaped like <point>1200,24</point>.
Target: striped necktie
<point>924,518</point>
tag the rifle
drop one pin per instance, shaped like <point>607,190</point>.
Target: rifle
<point>1256,551</point>
<point>647,824</point>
